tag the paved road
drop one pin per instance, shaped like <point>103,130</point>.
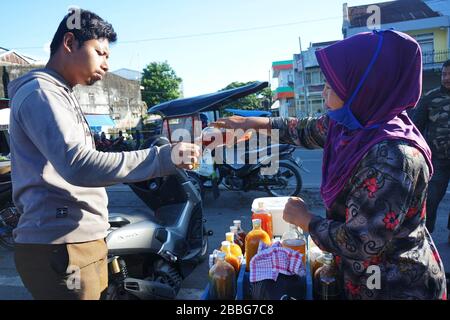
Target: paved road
<point>220,215</point>
<point>312,161</point>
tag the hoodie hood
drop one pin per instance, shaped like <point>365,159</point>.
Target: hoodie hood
<point>43,74</point>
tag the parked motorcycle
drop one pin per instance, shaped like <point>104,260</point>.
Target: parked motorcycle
<point>286,181</point>
<point>9,216</point>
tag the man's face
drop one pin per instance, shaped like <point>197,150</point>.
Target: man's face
<point>445,78</point>
<point>89,62</point>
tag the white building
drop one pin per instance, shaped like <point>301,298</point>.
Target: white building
<point>284,93</point>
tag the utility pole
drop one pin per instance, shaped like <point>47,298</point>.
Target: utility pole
<point>305,86</point>
<point>129,114</point>
<point>270,87</point>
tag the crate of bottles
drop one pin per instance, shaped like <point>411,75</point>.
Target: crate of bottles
<point>228,278</point>
<point>243,285</point>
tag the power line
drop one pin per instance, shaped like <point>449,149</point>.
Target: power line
<point>206,34</point>
<point>229,31</point>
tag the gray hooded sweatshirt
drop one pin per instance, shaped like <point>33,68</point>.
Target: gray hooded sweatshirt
<point>58,177</point>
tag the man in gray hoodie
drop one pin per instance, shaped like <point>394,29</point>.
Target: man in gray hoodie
<point>58,177</point>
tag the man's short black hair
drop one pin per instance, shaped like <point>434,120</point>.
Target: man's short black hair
<point>90,26</point>
<point>446,64</point>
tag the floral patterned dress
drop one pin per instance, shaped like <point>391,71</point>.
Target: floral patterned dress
<point>377,223</point>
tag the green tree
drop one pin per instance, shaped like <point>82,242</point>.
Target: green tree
<point>257,101</point>
<point>160,83</point>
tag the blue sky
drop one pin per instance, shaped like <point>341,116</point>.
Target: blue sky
<point>205,63</point>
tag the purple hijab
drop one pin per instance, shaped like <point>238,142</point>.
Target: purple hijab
<point>393,85</point>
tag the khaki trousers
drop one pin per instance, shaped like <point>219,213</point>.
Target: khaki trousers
<point>73,271</point>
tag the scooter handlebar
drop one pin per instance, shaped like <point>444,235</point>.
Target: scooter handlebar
<point>181,175</point>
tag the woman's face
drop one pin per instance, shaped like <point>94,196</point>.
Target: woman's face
<point>332,100</point>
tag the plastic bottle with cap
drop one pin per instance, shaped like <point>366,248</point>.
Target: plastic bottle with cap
<point>235,261</point>
<point>266,218</point>
<point>222,280</point>
<point>252,241</point>
<point>326,282</point>
<point>240,231</point>
<point>213,257</point>
<point>237,239</point>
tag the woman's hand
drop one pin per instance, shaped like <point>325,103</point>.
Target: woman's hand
<point>244,123</point>
<point>296,212</point>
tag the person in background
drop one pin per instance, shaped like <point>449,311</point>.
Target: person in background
<point>204,120</point>
<point>120,138</point>
<point>138,139</point>
<point>432,118</point>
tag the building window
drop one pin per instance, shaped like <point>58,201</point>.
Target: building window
<point>322,77</point>
<point>290,79</point>
<point>314,77</point>
<point>426,42</point>
<point>308,78</point>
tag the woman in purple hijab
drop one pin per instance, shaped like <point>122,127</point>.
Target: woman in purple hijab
<point>376,168</point>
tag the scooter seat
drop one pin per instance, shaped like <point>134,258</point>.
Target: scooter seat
<point>121,219</point>
<point>164,216</point>
<point>118,221</point>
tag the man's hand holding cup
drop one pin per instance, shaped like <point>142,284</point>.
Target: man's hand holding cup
<point>186,155</point>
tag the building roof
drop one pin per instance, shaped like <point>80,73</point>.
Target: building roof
<point>392,11</point>
<point>441,6</point>
<point>282,63</point>
<point>13,57</point>
<point>129,74</point>
<point>100,120</point>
